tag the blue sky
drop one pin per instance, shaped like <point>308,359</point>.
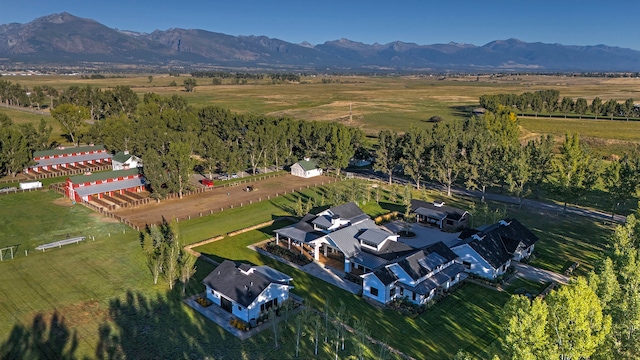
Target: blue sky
<point>569,22</point>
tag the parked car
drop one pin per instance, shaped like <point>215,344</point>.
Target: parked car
<point>207,182</point>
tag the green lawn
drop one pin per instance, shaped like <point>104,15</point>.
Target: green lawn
<point>39,217</point>
<point>465,320</point>
<point>565,240</point>
<point>104,292</point>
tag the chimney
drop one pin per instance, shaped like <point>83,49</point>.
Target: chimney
<point>126,152</point>
<point>306,158</point>
<point>438,204</point>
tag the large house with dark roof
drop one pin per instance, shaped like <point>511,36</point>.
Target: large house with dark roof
<point>246,291</point>
<point>65,158</point>
<point>438,214</point>
<point>417,276</point>
<point>306,168</point>
<point>488,251</point>
<point>346,234</point>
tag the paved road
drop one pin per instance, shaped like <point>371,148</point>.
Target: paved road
<point>538,275</point>
<point>526,203</point>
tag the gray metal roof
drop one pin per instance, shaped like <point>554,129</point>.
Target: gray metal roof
<point>70,159</point>
<point>323,221</point>
<point>299,233</point>
<point>111,186</point>
<point>435,214</point>
<point>368,260</point>
<point>374,236</point>
<point>432,261</point>
<point>273,274</point>
<point>345,240</point>
<point>348,211</point>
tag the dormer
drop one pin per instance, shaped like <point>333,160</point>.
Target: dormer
<point>438,203</point>
<point>245,269</point>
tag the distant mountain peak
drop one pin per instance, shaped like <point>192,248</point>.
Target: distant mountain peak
<point>62,39</point>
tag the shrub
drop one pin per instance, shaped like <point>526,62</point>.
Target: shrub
<point>286,254</point>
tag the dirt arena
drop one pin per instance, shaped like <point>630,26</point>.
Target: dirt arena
<point>221,197</point>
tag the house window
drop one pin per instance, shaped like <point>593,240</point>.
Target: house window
<point>413,297</point>
<point>466,264</point>
<point>373,291</point>
<point>401,291</point>
<point>239,307</point>
<point>392,292</point>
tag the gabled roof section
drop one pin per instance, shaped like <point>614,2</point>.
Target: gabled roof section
<point>105,175</point>
<point>303,231</point>
<point>121,157</point>
<point>373,237</point>
<point>438,211</point>
<point>308,165</point>
<point>349,211</point>
<point>67,150</point>
<point>345,240</point>
<point>425,261</point>
<point>323,221</point>
<point>241,287</point>
<point>498,241</point>
<point>385,275</point>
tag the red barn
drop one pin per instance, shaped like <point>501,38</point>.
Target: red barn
<point>83,187</point>
<point>69,158</point>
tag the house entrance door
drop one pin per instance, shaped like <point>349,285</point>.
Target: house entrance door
<point>225,304</point>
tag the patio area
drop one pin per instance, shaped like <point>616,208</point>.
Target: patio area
<point>223,318</point>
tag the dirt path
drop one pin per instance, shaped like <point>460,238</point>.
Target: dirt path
<point>216,199</point>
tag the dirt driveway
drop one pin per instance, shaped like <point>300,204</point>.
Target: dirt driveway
<point>222,197</point>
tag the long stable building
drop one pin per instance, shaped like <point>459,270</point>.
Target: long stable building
<point>69,158</point>
<point>84,187</point>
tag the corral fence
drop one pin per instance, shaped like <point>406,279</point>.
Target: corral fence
<point>16,190</point>
<point>108,211</point>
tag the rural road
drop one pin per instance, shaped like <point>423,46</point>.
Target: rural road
<point>526,203</point>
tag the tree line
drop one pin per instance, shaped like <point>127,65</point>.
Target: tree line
<point>597,317</point>
<point>485,151</point>
<point>169,134</point>
<point>549,101</point>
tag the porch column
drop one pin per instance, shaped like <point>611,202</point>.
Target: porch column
<point>277,239</point>
<point>316,251</point>
<point>325,250</point>
<point>289,244</point>
<point>347,266</point>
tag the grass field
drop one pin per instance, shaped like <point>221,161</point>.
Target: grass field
<point>103,291</point>
<point>465,320</point>
<point>376,102</point>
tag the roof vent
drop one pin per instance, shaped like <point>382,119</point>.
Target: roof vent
<point>126,152</point>
<point>306,158</point>
<point>438,203</point>
<point>477,237</point>
<point>250,283</point>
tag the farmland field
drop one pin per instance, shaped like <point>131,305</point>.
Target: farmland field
<point>375,102</point>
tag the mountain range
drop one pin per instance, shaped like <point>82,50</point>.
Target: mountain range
<point>64,39</point>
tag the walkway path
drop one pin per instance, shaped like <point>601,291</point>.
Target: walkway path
<point>327,274</point>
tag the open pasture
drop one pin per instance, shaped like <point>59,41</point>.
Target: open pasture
<point>372,103</point>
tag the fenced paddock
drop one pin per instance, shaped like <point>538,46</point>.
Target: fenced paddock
<point>207,201</point>
<point>60,243</point>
